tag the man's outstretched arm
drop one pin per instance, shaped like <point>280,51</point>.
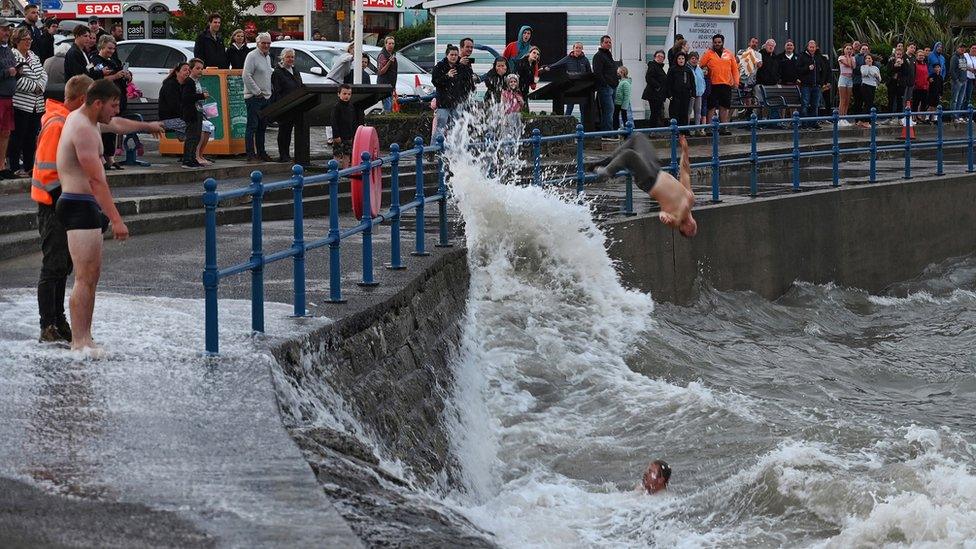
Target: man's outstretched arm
<point>121,124</point>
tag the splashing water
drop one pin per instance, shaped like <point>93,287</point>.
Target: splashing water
<point>829,417</point>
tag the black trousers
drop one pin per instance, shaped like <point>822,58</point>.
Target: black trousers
<point>55,266</point>
<point>857,100</point>
<point>867,97</point>
<point>657,111</point>
<point>23,140</point>
<point>895,98</point>
<point>193,129</point>
<point>286,127</point>
<point>108,144</point>
<point>678,109</point>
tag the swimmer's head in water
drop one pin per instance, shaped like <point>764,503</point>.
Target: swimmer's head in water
<point>656,476</point>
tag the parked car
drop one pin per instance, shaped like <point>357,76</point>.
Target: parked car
<point>151,60</point>
<point>314,60</point>
<point>421,53</point>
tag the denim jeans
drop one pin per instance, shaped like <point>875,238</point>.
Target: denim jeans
<point>810,97</point>
<point>444,117</point>
<point>570,108</point>
<point>604,96</point>
<point>388,104</point>
<point>256,126</point>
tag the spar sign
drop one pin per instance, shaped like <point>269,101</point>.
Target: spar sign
<point>101,9</point>
<point>392,5</point>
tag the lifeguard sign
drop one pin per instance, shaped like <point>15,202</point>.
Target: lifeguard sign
<point>710,8</point>
<point>100,9</point>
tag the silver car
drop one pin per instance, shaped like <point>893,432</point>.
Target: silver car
<point>151,60</point>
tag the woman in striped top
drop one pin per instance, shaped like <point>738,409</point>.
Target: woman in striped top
<point>28,104</point>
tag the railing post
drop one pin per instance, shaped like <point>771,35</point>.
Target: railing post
<point>396,263</point>
<point>628,207</point>
<point>674,147</point>
<point>753,156</point>
<point>367,280</point>
<point>210,278</point>
<point>873,177</point>
<point>835,150</point>
<point>257,254</point>
<point>442,241</point>
<point>298,244</point>
<point>536,157</point>
<point>335,267</point>
<point>796,152</point>
<point>715,160</point>
<point>938,141</point>
<point>419,250</point>
<point>969,137</point>
<point>908,143</point>
<point>580,167</point>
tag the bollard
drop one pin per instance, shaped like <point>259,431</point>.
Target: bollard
<point>873,177</point>
<point>367,280</point>
<point>908,143</point>
<point>969,137</point>
<point>210,278</point>
<point>536,157</point>
<point>419,197</point>
<point>938,141</point>
<point>442,241</point>
<point>396,263</point>
<point>298,243</point>
<point>835,153</point>
<point>715,160</point>
<point>257,254</point>
<point>335,272</point>
<point>580,168</point>
<point>796,152</point>
<point>674,147</point>
<point>753,157</point>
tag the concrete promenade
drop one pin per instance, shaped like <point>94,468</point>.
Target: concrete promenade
<point>162,446</point>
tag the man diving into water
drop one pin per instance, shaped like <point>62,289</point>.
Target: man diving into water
<point>637,155</point>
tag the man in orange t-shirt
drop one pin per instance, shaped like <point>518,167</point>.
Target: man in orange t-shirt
<point>723,73</point>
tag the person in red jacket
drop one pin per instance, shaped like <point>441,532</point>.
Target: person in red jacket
<point>920,94</point>
<point>519,48</point>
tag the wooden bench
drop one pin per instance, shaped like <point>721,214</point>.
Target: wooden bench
<point>743,101</point>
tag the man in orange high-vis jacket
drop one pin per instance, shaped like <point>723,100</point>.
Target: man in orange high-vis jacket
<point>45,190</point>
<point>723,73</point>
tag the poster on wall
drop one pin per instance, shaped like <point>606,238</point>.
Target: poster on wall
<point>698,31</point>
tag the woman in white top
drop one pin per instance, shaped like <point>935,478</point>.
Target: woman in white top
<point>845,82</point>
<point>342,66</point>
<point>870,78</point>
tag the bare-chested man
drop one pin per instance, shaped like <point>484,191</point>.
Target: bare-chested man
<point>637,155</point>
<point>85,194</point>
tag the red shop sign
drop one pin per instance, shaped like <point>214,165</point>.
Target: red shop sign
<point>100,8</point>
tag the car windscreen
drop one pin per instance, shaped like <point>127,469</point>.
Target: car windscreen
<point>404,65</point>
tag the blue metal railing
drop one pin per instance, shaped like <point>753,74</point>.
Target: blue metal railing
<point>212,274</point>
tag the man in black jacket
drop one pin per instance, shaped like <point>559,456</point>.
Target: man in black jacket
<point>451,87</point>
<point>787,65</point>
<point>76,61</point>
<point>813,70</point>
<point>44,48</point>
<point>210,44</point>
<point>36,34</point>
<point>605,69</point>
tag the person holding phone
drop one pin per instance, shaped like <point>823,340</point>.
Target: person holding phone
<point>28,104</point>
<point>8,86</point>
<point>105,65</point>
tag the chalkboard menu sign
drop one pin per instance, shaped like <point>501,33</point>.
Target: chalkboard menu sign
<point>237,108</point>
<point>211,83</point>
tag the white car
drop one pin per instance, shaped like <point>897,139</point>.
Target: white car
<point>314,60</point>
<point>151,60</point>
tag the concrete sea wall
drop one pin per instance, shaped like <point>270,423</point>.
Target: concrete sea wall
<point>866,236</point>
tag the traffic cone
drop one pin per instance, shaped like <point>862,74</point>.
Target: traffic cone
<point>417,86</point>
<point>396,102</point>
<point>908,124</point>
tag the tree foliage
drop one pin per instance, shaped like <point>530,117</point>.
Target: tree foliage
<point>885,14</point>
<point>232,16</point>
<point>409,35</point>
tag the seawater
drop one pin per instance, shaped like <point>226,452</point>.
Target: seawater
<point>829,417</point>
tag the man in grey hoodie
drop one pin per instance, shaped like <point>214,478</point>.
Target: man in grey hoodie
<point>957,76</point>
<point>257,91</point>
<point>8,86</point>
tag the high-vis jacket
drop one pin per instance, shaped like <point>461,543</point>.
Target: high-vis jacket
<point>44,178</point>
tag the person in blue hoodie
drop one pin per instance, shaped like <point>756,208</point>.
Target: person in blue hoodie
<point>936,58</point>
<point>519,48</point>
